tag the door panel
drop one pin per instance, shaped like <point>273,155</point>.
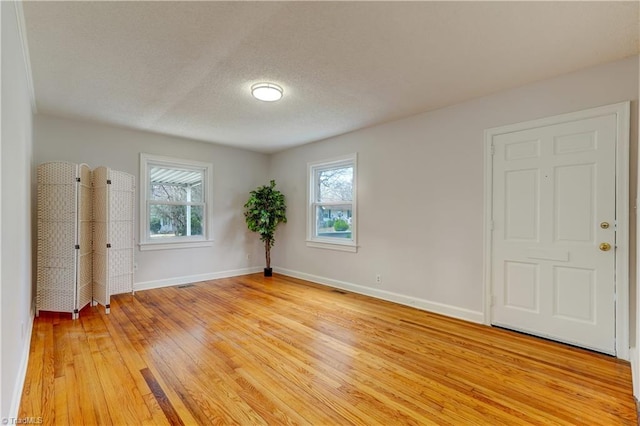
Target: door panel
<point>574,296</point>
<point>574,203</point>
<point>552,187</point>
<point>521,201</point>
<point>522,286</point>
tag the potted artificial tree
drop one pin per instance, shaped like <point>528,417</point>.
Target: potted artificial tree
<point>264,211</point>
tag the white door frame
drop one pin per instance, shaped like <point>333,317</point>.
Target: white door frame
<point>622,111</point>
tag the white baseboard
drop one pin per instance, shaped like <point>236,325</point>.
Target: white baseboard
<point>22,372</point>
<point>168,282</point>
<point>425,305</point>
<point>635,374</point>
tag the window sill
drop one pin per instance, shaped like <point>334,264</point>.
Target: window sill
<point>165,245</point>
<point>348,247</point>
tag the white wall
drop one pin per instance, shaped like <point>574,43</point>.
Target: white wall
<point>420,192</point>
<point>634,295</point>
<point>15,241</point>
<point>235,173</point>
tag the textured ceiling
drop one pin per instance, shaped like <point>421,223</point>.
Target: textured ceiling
<point>185,68</point>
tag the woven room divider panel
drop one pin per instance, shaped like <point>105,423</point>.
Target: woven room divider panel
<point>113,238</point>
<point>64,237</point>
<point>85,236</point>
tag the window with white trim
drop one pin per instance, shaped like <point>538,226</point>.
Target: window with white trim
<point>175,203</point>
<point>332,204</point>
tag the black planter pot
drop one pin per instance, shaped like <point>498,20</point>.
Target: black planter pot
<point>268,272</point>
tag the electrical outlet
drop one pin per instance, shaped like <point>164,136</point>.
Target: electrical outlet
<point>378,279</point>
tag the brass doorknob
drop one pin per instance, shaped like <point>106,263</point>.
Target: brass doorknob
<point>605,246</point>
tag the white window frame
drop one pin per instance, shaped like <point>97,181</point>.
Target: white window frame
<point>204,240</point>
<point>349,245</point>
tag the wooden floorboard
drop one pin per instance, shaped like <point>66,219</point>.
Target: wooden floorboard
<point>277,351</point>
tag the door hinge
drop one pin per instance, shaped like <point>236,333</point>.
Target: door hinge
<point>493,149</point>
<point>492,300</point>
<point>491,225</point>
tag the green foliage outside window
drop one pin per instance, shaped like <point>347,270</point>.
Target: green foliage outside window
<point>340,225</point>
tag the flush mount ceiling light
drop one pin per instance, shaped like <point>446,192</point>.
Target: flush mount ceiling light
<point>267,92</point>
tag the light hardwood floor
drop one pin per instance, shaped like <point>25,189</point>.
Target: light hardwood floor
<point>251,350</point>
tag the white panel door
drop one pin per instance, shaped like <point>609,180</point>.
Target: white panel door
<point>553,206</point>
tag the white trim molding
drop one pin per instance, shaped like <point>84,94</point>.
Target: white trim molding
<point>401,299</point>
<point>333,246</point>
<point>147,161</point>
<point>332,243</point>
<point>22,371</point>
<point>633,360</point>
<point>622,112</point>
<point>174,245</point>
<point>1,286</point>
<point>168,282</point>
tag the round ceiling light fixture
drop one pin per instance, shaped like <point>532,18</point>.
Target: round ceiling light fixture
<point>267,92</point>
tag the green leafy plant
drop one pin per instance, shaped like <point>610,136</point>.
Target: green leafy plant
<point>340,225</point>
<point>264,210</point>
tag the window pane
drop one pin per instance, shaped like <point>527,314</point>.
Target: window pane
<point>334,185</point>
<point>174,221</point>
<point>169,184</point>
<point>334,221</point>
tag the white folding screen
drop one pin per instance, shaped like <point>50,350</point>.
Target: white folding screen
<point>85,236</point>
<point>100,239</point>
<point>113,240</point>
<point>121,237</point>
<point>64,237</point>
